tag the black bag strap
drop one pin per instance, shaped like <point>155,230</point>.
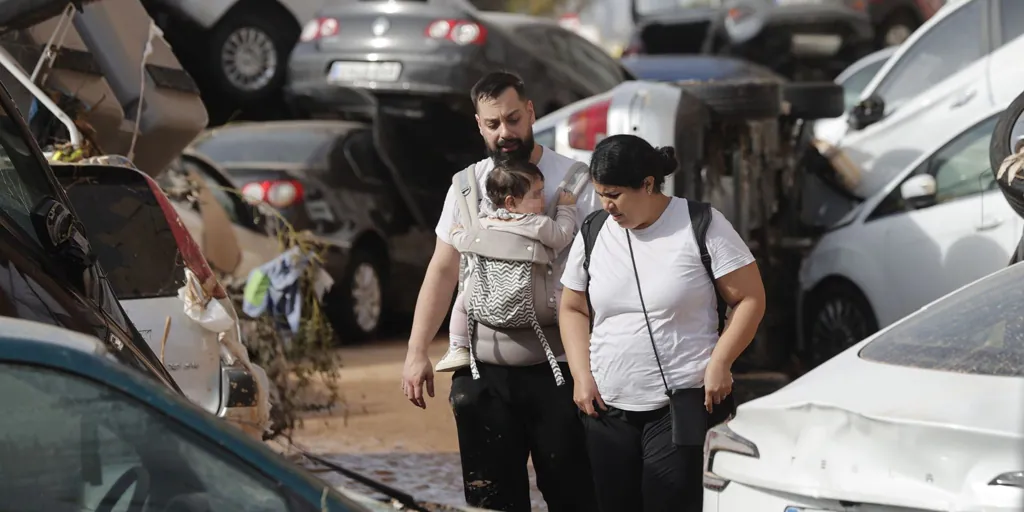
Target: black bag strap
<point>700,219</point>
<point>650,332</point>
<point>590,228</point>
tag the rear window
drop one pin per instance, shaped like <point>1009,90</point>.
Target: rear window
<point>287,146</point>
<point>978,330</point>
<point>130,236</point>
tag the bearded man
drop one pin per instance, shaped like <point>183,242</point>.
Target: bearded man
<point>514,410</point>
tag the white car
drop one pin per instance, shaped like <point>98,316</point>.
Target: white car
<point>955,63</point>
<point>939,224</point>
<point>926,415</point>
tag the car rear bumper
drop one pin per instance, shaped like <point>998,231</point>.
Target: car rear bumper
<point>433,74</point>
<point>849,26</point>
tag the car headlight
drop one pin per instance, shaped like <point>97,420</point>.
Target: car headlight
<point>1010,479</point>
<point>722,439</point>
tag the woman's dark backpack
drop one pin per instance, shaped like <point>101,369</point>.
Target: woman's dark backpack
<point>700,218</point>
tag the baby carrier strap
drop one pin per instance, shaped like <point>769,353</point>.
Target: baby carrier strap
<point>575,179</point>
<point>468,198</point>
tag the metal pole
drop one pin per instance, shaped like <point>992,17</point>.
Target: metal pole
<point>11,66</point>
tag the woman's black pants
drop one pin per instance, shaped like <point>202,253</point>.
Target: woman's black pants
<point>637,467</point>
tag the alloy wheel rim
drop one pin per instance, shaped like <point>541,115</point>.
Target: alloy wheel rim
<point>840,324</point>
<point>249,59</point>
<point>366,295</point>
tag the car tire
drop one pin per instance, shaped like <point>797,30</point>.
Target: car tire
<point>248,53</point>
<point>355,304</point>
<point>738,100</point>
<point>838,317</point>
<point>814,100</point>
<point>999,150</point>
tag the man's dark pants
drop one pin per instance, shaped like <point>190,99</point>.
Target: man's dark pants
<point>513,412</point>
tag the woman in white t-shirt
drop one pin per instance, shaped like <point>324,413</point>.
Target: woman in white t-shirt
<point>655,330</point>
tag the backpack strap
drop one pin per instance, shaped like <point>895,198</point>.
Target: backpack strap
<point>576,178</point>
<point>467,185</point>
<point>590,228</point>
<point>700,219</point>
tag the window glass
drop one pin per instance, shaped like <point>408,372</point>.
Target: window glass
<point>593,63</point>
<point>1011,19</point>
<point>66,440</point>
<point>978,330</point>
<point>23,178</point>
<point>962,168</point>
<point>647,7</point>
<point>854,84</point>
<point>948,47</point>
<point>545,138</point>
<point>290,146</point>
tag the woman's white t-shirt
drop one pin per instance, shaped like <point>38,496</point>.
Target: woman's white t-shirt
<point>680,302</point>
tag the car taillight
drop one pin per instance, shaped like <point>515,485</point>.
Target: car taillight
<point>191,254</point>
<point>318,28</point>
<point>461,32</point>
<point>276,193</point>
<point>588,126</point>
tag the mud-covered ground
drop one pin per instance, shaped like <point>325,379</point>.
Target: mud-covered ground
<point>381,435</point>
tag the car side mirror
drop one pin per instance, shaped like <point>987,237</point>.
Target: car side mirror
<point>919,191</point>
<point>866,113</point>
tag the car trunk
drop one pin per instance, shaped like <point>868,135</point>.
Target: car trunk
<point>682,32</point>
<point>406,29</point>
<point>138,249</point>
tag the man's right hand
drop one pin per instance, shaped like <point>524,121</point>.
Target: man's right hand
<point>417,371</point>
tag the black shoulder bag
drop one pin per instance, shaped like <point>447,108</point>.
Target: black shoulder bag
<point>690,419</point>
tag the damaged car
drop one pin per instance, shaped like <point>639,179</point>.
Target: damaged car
<point>933,423</point>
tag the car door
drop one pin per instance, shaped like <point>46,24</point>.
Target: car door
<point>967,232</point>
<point>1005,77</point>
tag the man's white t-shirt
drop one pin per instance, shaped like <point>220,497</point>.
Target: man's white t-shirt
<point>554,167</point>
<point>679,296</point>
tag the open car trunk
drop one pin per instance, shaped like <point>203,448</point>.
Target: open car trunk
<point>422,148</point>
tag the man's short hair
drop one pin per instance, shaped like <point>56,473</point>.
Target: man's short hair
<point>494,84</point>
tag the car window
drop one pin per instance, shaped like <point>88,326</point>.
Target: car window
<point>951,45</point>
<point>962,167</point>
<point>23,178</point>
<point>290,146</point>
<point>545,138</point>
<point>1011,19</point>
<point>130,235</point>
<point>592,62</point>
<point>68,441</point>
<point>977,330</point>
<point>854,84</point>
<point>361,155</point>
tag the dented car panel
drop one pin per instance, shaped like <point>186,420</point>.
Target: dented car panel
<point>932,423</point>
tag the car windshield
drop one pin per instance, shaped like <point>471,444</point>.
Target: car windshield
<point>265,144</point>
<point>854,84</point>
<point>23,180</point>
<point>977,330</point>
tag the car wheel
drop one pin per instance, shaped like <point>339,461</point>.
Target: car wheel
<point>839,317</point>
<point>738,100</point>
<point>248,53</point>
<point>1007,136</point>
<point>355,305</point>
<point>814,100</point>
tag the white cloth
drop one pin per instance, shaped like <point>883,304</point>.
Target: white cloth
<point>680,302</point>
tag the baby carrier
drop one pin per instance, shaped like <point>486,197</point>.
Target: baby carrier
<point>507,274</point>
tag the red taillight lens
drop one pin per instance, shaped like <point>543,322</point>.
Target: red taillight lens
<point>191,254</point>
<point>276,193</point>
<point>461,32</point>
<point>588,126</point>
<point>318,28</point>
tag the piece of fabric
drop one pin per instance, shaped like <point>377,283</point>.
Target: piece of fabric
<point>637,467</point>
<point>509,415</point>
<point>680,298</point>
<point>283,298</point>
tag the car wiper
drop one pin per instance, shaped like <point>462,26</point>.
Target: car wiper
<point>405,499</point>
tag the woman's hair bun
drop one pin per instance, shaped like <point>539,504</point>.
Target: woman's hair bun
<point>668,157</point>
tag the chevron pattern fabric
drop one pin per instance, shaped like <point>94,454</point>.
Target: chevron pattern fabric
<point>502,298</point>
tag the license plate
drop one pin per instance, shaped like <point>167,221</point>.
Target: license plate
<point>346,71</point>
<point>816,44</point>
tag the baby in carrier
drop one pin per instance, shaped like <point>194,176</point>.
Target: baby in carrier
<point>499,288</point>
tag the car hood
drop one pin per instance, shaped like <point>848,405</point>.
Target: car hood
<point>19,14</point>
<point>868,432</point>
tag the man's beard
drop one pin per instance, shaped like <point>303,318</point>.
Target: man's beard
<point>521,153</point>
